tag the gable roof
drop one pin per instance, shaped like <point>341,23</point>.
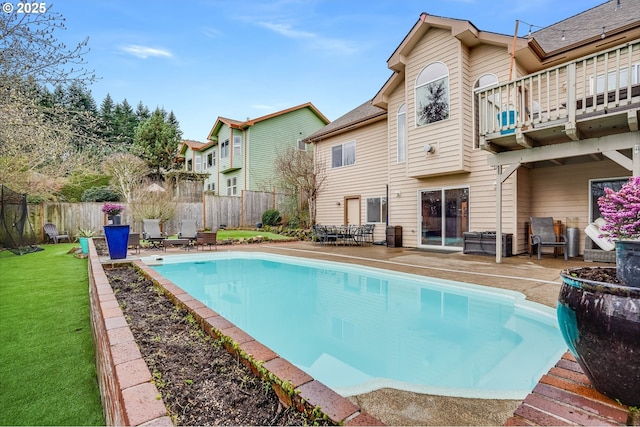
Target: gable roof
<point>359,116</point>
<point>236,124</point>
<point>609,18</point>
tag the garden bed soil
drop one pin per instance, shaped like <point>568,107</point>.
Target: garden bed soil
<point>597,274</point>
<point>200,381</point>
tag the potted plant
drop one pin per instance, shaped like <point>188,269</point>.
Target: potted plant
<point>117,235</point>
<point>599,308</point>
<point>84,234</point>
<point>621,212</point>
<point>113,212</point>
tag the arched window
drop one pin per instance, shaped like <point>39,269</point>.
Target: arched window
<point>485,80</point>
<point>432,94</point>
<point>402,133</point>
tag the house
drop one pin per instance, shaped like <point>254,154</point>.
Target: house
<point>239,155</point>
<point>478,131</point>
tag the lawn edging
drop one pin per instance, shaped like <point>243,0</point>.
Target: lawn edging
<point>128,395</point>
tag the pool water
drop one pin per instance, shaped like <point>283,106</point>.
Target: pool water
<point>357,329</point>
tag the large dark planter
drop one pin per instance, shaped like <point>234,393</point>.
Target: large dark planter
<point>114,219</point>
<point>628,262</point>
<point>600,322</point>
<point>117,240</point>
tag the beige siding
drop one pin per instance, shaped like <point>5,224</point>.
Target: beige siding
<point>437,45</point>
<point>366,178</point>
<point>563,191</point>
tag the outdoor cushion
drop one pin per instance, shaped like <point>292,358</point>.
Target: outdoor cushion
<point>599,237</point>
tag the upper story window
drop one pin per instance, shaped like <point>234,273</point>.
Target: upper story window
<point>493,102</point>
<point>224,149</point>
<point>402,134</point>
<point>432,94</point>
<point>622,74</point>
<point>237,145</point>
<point>301,145</point>
<point>198,163</point>
<point>343,154</point>
<point>211,159</point>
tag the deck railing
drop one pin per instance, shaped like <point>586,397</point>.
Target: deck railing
<point>590,85</point>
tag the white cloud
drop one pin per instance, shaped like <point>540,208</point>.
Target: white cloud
<point>145,52</point>
<point>316,41</point>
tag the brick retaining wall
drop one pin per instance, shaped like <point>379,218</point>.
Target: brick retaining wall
<point>128,395</point>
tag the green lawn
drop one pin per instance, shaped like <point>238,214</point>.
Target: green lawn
<point>47,364</point>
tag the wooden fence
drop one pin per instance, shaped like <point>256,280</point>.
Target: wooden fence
<point>211,212</point>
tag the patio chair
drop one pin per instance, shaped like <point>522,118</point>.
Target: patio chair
<point>207,238</point>
<point>152,232</point>
<point>188,229</point>
<point>544,235</point>
<point>134,242</point>
<point>54,235</point>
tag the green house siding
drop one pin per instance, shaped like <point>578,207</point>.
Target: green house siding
<point>269,137</point>
<point>252,165</point>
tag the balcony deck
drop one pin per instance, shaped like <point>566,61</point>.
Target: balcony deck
<point>565,103</point>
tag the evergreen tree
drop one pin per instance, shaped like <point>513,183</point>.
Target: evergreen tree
<point>156,141</point>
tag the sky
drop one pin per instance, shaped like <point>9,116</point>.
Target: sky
<point>239,59</point>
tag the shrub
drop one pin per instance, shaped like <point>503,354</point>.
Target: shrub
<point>271,217</point>
<point>100,194</point>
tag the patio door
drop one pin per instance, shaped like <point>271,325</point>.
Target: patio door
<point>444,216</point>
<point>352,212</point>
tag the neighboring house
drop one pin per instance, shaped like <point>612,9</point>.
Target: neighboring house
<point>477,131</point>
<point>240,154</point>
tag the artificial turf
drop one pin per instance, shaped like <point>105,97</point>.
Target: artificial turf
<point>47,359</point>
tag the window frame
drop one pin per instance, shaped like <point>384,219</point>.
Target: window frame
<point>382,207</point>
<point>401,145</point>
<point>224,149</point>
<point>345,160</point>
<point>237,145</point>
<point>423,83</point>
<point>232,186</point>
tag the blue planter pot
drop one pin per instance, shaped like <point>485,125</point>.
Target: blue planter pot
<point>600,322</point>
<point>628,262</point>
<point>117,240</point>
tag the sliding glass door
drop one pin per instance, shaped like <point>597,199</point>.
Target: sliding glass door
<point>444,216</point>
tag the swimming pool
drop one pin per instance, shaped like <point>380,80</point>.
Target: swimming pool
<point>357,329</point>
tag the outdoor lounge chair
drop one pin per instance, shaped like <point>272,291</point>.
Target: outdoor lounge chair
<point>152,232</point>
<point>52,232</point>
<point>188,229</point>
<point>543,234</point>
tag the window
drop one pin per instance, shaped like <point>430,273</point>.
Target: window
<point>611,79</point>
<point>377,209</point>
<point>493,101</point>
<point>597,190</point>
<point>301,145</point>
<point>232,189</point>
<point>237,145</point>
<point>224,149</point>
<point>343,154</point>
<point>402,134</point>
<point>432,94</point>
<point>211,187</point>
<point>211,160</point>
<point>198,160</point>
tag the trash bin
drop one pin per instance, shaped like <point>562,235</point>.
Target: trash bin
<point>394,236</point>
<point>573,242</point>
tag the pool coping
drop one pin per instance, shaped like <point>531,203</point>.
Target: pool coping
<point>130,398</point>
